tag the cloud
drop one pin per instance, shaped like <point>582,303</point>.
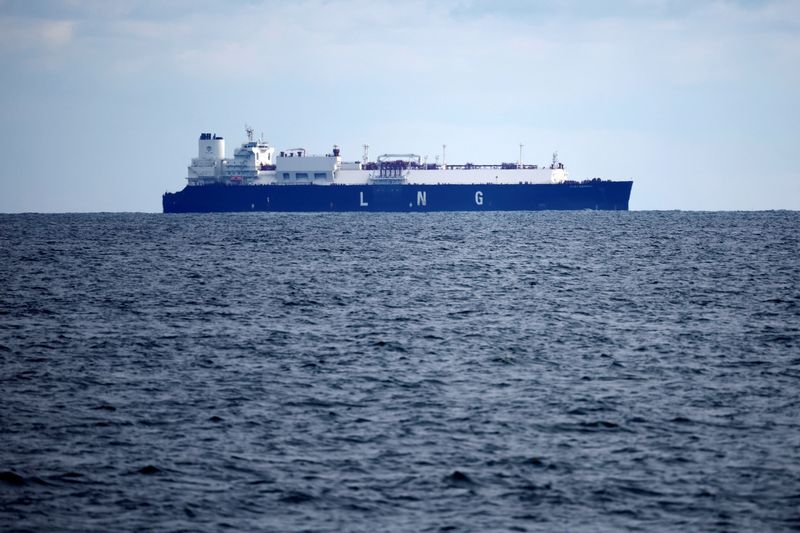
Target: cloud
<point>56,33</point>
<point>629,43</point>
<point>34,34</point>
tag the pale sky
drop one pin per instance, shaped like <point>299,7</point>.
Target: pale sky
<point>101,102</point>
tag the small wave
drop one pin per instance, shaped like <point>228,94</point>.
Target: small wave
<point>12,478</point>
<point>295,497</point>
<point>458,478</point>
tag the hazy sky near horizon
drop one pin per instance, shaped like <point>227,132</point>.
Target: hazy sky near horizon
<point>102,102</point>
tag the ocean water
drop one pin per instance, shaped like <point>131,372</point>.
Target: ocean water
<point>576,371</point>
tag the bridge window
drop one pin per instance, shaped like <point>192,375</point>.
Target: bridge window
<point>302,175</point>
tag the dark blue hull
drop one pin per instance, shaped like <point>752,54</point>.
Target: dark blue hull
<point>595,194</point>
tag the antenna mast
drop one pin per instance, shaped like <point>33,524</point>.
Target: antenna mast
<point>365,155</point>
<point>249,131</point>
<point>520,155</point>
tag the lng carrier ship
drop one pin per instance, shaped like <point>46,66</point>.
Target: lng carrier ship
<point>258,179</point>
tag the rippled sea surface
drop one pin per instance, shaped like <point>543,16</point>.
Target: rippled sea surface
<point>573,371</point>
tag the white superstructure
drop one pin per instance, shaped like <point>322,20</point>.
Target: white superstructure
<point>255,162</point>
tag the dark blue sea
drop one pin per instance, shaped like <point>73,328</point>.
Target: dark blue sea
<point>550,371</point>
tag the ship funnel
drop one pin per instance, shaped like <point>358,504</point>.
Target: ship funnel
<point>210,146</point>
